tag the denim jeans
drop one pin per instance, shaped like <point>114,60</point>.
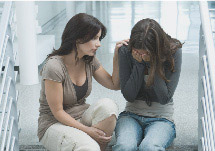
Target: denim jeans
<point>139,133</point>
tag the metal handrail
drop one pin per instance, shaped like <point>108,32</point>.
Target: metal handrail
<point>13,143</point>
<point>205,143</point>
<point>3,53</point>
<point>5,104</point>
<point>8,94</point>
<point>206,82</point>
<point>4,22</point>
<point>208,116</point>
<point>7,123</point>
<point>10,132</point>
<point>206,26</point>
<point>4,78</point>
<point>209,94</point>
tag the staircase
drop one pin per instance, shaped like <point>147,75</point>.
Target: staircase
<point>206,79</point>
<point>9,139</point>
<point>9,115</point>
<point>45,45</point>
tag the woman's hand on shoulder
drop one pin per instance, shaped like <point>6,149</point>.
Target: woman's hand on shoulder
<point>119,44</point>
<point>98,135</point>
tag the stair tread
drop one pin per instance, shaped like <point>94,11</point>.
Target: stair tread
<point>175,148</point>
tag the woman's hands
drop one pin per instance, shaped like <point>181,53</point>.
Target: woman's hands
<point>98,135</point>
<point>140,57</point>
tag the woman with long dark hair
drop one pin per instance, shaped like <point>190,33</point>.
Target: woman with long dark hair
<point>66,122</point>
<point>149,70</point>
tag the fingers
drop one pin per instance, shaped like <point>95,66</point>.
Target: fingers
<point>104,139</point>
<point>139,57</point>
<point>101,136</point>
<point>136,56</point>
<point>101,133</point>
<point>118,45</point>
<point>145,57</point>
<point>123,42</point>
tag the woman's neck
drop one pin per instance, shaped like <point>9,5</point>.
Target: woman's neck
<point>71,60</point>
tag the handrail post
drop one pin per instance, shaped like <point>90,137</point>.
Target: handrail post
<point>206,98</point>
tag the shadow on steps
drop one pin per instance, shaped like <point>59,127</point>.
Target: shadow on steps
<point>41,148</point>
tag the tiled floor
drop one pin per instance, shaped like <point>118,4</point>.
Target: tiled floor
<point>179,19</point>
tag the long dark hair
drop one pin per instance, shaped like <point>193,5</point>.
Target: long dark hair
<point>147,34</point>
<point>81,28</point>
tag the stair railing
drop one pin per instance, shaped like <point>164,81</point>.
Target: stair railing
<point>206,101</point>
<point>9,139</point>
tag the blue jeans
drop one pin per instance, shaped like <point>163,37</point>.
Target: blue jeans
<point>139,133</point>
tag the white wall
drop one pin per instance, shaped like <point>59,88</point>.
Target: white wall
<point>47,10</point>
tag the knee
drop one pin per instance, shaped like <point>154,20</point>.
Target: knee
<point>104,109</point>
<point>125,147</point>
<point>150,147</point>
<point>108,106</point>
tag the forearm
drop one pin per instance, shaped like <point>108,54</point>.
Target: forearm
<point>115,74</point>
<point>165,90</point>
<point>66,119</point>
<point>161,90</point>
<point>131,84</point>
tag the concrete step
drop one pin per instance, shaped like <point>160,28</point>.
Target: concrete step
<point>41,148</point>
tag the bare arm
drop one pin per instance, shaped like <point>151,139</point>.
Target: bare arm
<point>54,96</point>
<point>104,78</point>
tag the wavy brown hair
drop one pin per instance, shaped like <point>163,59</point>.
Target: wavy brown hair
<point>147,34</point>
<point>81,28</point>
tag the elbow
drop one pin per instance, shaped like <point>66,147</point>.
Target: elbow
<point>129,98</point>
<point>57,114</point>
<point>165,100</point>
<point>116,88</point>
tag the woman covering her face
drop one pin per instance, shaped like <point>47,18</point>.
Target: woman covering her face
<point>66,122</point>
<point>149,69</point>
